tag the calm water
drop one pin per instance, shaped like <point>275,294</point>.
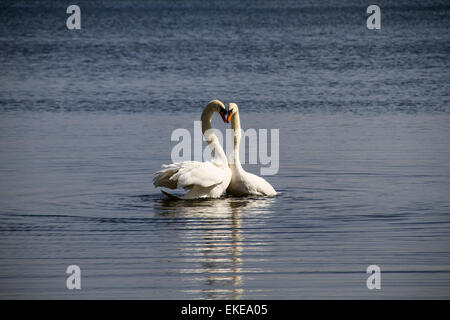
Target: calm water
<point>86,119</point>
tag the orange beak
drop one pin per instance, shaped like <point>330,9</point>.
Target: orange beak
<point>230,114</point>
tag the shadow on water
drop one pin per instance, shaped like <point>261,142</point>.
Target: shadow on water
<point>213,242</point>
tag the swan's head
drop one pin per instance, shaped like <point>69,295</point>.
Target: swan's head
<point>214,106</point>
<point>232,110</point>
<point>223,113</point>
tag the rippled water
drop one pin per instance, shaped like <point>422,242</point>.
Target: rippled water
<point>354,191</point>
<point>364,176</point>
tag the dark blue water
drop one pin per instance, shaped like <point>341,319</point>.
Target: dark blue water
<point>364,176</point>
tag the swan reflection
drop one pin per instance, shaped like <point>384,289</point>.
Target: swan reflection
<point>214,242</point>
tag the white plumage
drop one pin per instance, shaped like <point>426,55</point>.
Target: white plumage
<point>243,183</point>
<point>203,179</point>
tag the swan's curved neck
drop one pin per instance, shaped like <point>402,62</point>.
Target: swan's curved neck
<point>236,126</point>
<point>236,122</point>
<point>210,136</point>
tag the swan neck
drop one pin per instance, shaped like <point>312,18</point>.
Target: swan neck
<point>206,118</point>
<point>236,127</point>
<point>210,136</point>
<point>236,122</point>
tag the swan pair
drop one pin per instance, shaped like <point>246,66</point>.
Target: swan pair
<point>212,178</point>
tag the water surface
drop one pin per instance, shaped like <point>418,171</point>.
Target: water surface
<point>364,176</point>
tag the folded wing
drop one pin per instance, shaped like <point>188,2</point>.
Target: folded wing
<point>187,174</point>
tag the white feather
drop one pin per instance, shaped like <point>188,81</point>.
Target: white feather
<point>243,183</point>
<point>203,179</point>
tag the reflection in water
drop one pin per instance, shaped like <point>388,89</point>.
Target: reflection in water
<point>213,242</point>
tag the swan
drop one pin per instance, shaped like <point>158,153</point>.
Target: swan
<point>203,179</point>
<point>243,183</point>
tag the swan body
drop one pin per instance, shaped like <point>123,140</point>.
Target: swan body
<point>203,179</point>
<point>243,183</point>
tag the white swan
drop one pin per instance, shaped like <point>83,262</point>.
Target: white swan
<point>203,179</point>
<point>243,183</point>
